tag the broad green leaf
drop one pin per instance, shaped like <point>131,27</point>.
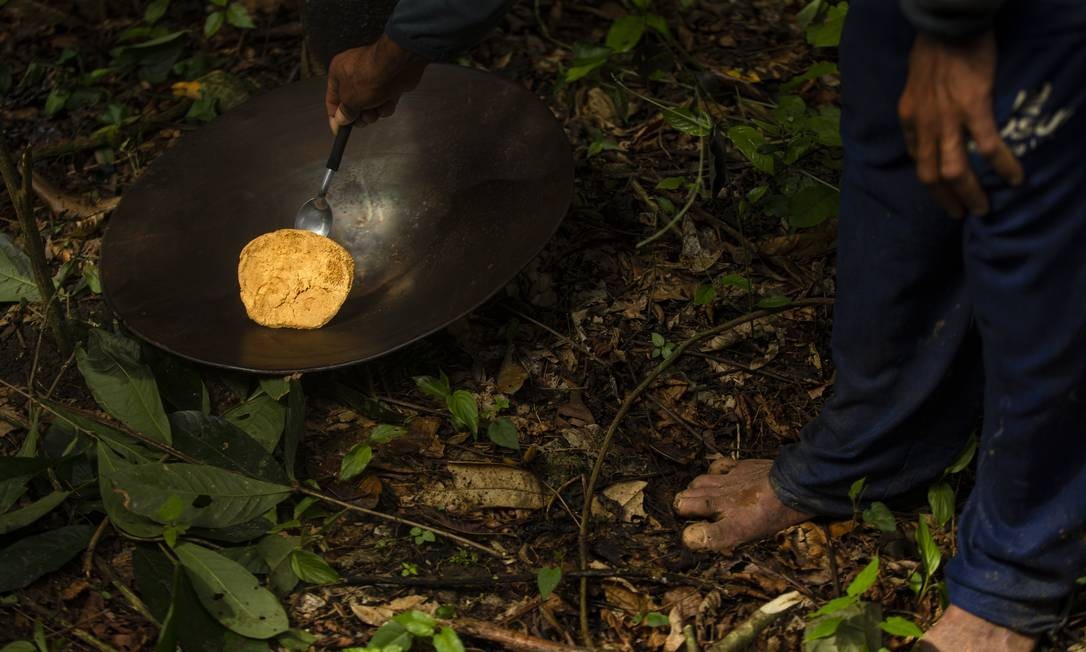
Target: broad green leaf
<point>20,518</point>
<point>941,500</point>
<point>231,594</point>
<point>296,640</point>
<point>27,646</point>
<point>502,432</point>
<point>121,443</point>
<point>625,33</point>
<point>835,605</point>
<point>262,417</point>
<point>31,557</point>
<point>812,205</point>
<point>171,510</point>
<point>857,630</point>
<point>218,442</point>
<point>658,23</point>
<point>547,580</point>
<point>355,461</point>
<point>446,640</point>
<point>155,10</point>
<point>704,295</point>
<point>275,549</point>
<point>391,634</point>
<point>856,489</point>
<point>898,626</point>
<point>203,109</point>
<point>56,101</point>
<point>879,515</point>
<point>750,142</point>
<point>213,23</point>
<point>774,301</point>
<point>655,619</point>
<point>238,16</point>
<point>821,629</point>
<point>825,125</point>
<point>465,410</point>
<point>865,578</point>
<point>276,388</point>
<point>586,58</point>
<point>122,385</point>
<point>416,622</point>
<point>808,13</point>
<point>736,280</point>
<point>436,387</point>
<point>295,425</point>
<point>658,340</point>
<point>385,433</point>
<point>789,112</point>
<point>16,277</point>
<point>827,34</point>
<point>310,567</point>
<point>213,497</point>
<point>816,70</point>
<point>930,554</point>
<point>670,183</point>
<point>964,458</point>
<point>109,465</point>
<point>179,382</point>
<point>689,122</point>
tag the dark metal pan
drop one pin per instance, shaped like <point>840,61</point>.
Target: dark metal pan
<point>440,204</point>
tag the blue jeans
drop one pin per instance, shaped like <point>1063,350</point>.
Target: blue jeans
<point>938,320</point>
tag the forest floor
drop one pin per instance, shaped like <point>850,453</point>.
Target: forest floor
<point>582,326</point>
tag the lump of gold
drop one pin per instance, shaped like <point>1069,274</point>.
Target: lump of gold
<point>294,279</point>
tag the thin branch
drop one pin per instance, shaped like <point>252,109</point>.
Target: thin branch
<point>691,197</point>
<point>586,516</point>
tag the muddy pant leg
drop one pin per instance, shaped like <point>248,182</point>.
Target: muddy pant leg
<point>1021,537</point>
<point>907,388</point>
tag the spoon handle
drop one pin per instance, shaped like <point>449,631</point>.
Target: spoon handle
<point>338,147</point>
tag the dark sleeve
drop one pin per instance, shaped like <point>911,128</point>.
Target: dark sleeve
<point>440,29</point>
<point>952,19</point>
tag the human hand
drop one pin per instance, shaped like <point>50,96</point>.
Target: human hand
<point>948,100</point>
<point>364,84</point>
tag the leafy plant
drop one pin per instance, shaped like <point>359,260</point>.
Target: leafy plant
<point>622,37</point>
<point>399,634</point>
<point>547,580</point>
<point>422,536</point>
<point>464,411</point>
<point>358,458</point>
<point>661,348</point>
<point>220,12</point>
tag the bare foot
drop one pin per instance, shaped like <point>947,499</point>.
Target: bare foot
<point>740,502</point>
<point>960,631</point>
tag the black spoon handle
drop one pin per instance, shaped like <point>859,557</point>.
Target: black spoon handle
<point>338,147</point>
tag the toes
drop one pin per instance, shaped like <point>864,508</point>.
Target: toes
<point>694,503</point>
<point>710,481</point>
<point>722,466</point>
<point>705,537</point>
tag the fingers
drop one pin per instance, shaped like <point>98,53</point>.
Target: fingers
<point>342,117</point>
<point>956,173</point>
<point>982,126</point>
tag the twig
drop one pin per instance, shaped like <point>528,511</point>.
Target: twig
<point>444,582</point>
<point>110,138</point>
<point>81,634</point>
<point>300,488</point>
<point>691,196</point>
<point>133,599</point>
<point>507,639</point>
<point>88,556</point>
<point>742,636</point>
<point>586,516</point>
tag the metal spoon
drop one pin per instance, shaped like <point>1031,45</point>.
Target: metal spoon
<point>316,214</point>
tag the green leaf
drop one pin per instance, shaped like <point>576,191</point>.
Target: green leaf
<point>625,33</point>
<point>416,622</point>
<point>825,125</point>
<point>27,646</point>
<point>203,109</point>
<point>447,641</point>
<point>736,280</point>
<point>879,515</point>
<point>213,23</point>
<point>262,417</point>
<point>941,500</point>
<point>502,432</point>
<point>816,70</point>
<point>122,385</point>
<point>295,425</point>
<point>689,122</point>
<point>837,604</point>
<point>704,295</point>
<point>231,594</point>
<point>964,458</point>
<point>856,489</point>
<point>789,112</point>
<point>296,640</point>
<point>821,629</point>
<point>750,142</point>
<point>179,383</point>
<point>812,205</point>
<point>827,34</point>
<point>438,388</point>
<point>774,301</point>
<point>389,635</point>
<point>385,433</point>
<point>155,10</point>
<point>865,578</point>
<point>213,497</point>
<point>310,567</point>
<point>898,626</point>
<point>238,16</point>
<point>355,461</point>
<point>655,619</point>
<point>586,58</point>
<point>670,183</point>
<point>31,557</point>
<point>658,340</point>
<point>276,388</point>
<point>808,13</point>
<point>547,580</point>
<point>166,590</point>
<point>16,277</point>
<point>929,550</point>
<point>56,101</point>
<point>465,410</point>
<point>657,23</point>
<point>20,518</point>
<point>218,442</point>
<point>109,465</point>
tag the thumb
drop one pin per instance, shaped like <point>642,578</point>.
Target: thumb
<point>342,118</point>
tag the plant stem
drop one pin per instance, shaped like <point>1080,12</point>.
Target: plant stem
<point>586,516</point>
<point>689,199</point>
<point>19,190</point>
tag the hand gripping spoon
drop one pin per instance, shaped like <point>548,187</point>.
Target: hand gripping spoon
<point>316,214</point>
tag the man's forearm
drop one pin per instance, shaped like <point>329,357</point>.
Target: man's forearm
<point>439,29</point>
<point>952,19</point>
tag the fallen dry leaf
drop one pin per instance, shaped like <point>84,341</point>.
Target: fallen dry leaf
<point>484,486</point>
<point>630,497</point>
<point>377,615</point>
<point>511,376</point>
